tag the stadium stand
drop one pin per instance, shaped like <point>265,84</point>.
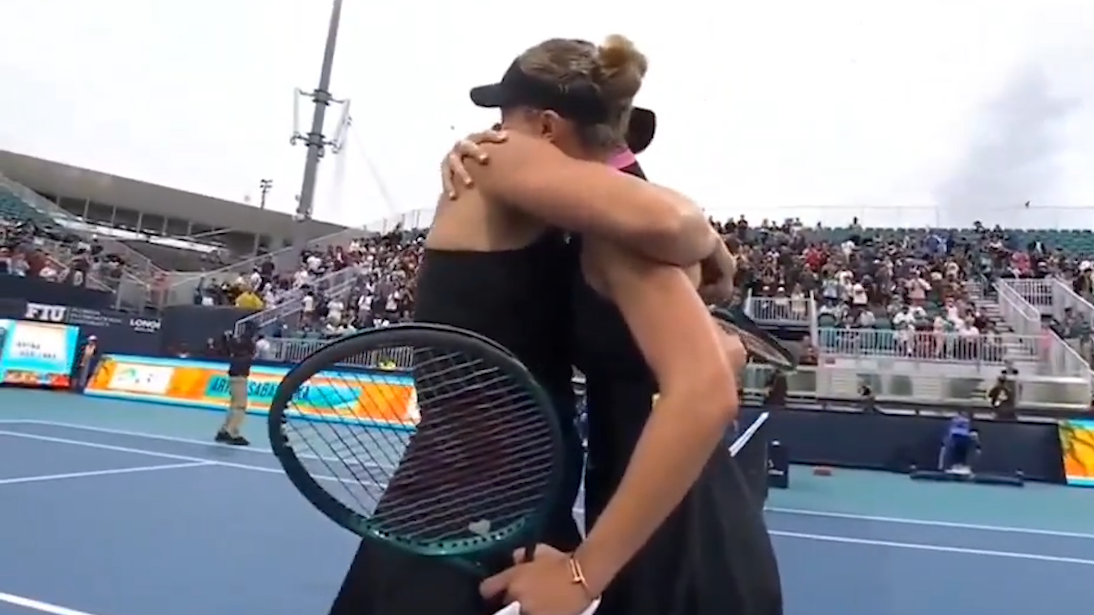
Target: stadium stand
<point>978,298</point>
<point>154,246</point>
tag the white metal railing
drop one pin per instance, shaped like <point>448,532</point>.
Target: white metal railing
<point>808,383</point>
<point>783,310</point>
<point>1038,292</point>
<point>927,345</point>
<point>1064,297</point>
<point>336,284</point>
<point>184,284</point>
<point>1025,319</point>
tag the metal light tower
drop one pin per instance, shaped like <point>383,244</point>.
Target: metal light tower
<point>264,187</point>
<point>314,139</point>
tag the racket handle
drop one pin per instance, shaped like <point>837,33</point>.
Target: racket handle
<point>530,552</point>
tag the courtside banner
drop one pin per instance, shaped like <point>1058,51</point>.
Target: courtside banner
<point>1077,444</point>
<point>37,353</point>
<point>360,397</point>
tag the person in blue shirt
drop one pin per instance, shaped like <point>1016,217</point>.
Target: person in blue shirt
<point>960,445</point>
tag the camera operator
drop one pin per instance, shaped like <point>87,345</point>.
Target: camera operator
<point>239,350</point>
<point>776,390</point>
<point>868,399</point>
<point>1002,397</point>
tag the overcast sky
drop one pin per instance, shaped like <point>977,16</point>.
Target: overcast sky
<point>932,112</point>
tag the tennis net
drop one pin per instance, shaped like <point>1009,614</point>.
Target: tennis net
<point>750,451</point>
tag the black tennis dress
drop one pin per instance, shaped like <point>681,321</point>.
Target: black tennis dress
<point>713,555</point>
<point>520,299</point>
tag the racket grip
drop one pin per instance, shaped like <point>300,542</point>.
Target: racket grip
<point>530,552</point>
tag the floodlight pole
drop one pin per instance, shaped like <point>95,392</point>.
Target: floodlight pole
<point>315,140</point>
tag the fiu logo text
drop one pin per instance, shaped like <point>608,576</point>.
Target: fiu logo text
<point>46,313</point>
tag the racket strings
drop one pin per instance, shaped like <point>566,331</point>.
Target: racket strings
<point>477,462</point>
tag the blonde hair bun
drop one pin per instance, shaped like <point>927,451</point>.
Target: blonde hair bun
<point>622,67</point>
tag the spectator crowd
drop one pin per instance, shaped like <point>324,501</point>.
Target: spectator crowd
<point>915,292</point>
<point>27,250</point>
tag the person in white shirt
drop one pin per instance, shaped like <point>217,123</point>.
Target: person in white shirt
<point>858,295</point>
<point>335,307</point>
<point>798,306</point>
<point>308,310</point>
<point>904,319</point>
<point>866,318</point>
<point>264,349</point>
<point>314,263</point>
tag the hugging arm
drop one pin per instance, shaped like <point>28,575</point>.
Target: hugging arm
<point>590,197</point>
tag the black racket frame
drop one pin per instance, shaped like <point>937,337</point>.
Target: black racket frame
<point>412,335</point>
<point>741,321</point>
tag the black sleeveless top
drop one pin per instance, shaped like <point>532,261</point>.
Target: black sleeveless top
<point>712,555</point>
<point>520,299</point>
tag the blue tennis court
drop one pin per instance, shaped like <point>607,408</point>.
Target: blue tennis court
<point>118,508</point>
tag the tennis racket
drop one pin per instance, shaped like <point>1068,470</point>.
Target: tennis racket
<point>460,457</point>
<point>760,344</point>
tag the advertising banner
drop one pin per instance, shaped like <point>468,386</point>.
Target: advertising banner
<point>337,396</point>
<point>1077,442</point>
<point>36,353</point>
<point>117,332</point>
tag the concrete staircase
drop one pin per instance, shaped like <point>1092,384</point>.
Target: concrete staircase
<point>1017,348</point>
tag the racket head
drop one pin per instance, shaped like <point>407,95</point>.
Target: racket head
<point>475,471</point>
<point>760,344</point>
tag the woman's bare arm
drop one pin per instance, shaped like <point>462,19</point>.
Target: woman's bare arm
<point>697,402</point>
<point>590,197</point>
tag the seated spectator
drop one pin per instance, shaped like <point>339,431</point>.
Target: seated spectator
<point>247,299</point>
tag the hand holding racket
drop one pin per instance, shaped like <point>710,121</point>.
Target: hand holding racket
<point>544,585</point>
<point>460,458</point>
<point>760,344</point>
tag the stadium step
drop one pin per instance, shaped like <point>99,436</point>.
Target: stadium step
<point>991,310</point>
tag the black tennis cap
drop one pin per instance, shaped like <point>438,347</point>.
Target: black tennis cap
<point>578,102</point>
<point>641,129</point>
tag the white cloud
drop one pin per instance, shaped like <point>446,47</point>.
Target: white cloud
<point>835,109</point>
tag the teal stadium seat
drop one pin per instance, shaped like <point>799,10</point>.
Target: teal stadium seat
<point>14,209</point>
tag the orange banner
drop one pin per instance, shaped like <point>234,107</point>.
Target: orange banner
<point>1077,441</point>
<point>373,397</point>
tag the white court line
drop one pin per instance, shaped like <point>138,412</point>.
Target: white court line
<point>139,451</point>
<point>916,546</point>
<point>56,610</point>
<point>45,478</point>
<point>38,605</point>
<point>1002,529</point>
<point>262,450</point>
<point>789,511</point>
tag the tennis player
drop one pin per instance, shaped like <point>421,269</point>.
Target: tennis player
<point>497,264</point>
<point>639,323</point>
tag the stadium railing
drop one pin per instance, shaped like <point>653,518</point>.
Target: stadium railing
<point>812,384</point>
<point>336,284</point>
<point>182,284</point>
<point>1050,296</point>
<point>1025,319</point>
<point>931,346</point>
<point>137,264</point>
<point>782,311</point>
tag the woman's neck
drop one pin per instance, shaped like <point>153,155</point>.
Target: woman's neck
<point>621,159</point>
